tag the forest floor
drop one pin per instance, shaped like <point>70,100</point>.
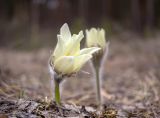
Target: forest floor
<point>130,83</point>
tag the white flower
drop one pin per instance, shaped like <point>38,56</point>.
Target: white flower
<point>67,57</point>
<point>95,38</point>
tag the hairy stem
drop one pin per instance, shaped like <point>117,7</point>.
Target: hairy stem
<point>98,85</point>
<point>57,92</point>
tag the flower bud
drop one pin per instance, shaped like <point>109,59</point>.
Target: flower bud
<point>95,38</point>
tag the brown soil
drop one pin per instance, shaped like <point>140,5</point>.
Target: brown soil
<point>130,87</point>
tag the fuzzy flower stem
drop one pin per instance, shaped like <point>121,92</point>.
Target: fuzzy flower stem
<point>57,81</point>
<point>98,85</point>
<point>57,92</point>
<point>97,57</point>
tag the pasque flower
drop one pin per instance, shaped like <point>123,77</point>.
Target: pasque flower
<point>96,38</point>
<point>67,57</point>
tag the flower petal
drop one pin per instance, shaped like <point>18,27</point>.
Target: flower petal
<point>73,45</point>
<point>78,37</point>
<point>59,47</point>
<point>89,50</point>
<point>64,64</point>
<point>102,41</point>
<point>79,61</point>
<point>65,32</point>
<point>91,36</point>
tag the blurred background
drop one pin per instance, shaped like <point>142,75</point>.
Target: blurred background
<point>131,73</point>
<point>35,23</point>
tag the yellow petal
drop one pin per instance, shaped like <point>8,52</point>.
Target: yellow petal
<point>91,36</point>
<point>64,64</point>
<point>59,47</point>
<point>89,50</point>
<point>73,45</point>
<point>101,37</point>
<point>79,61</point>
<point>78,37</point>
<point>65,32</point>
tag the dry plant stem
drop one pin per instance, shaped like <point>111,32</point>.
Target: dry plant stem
<point>57,92</point>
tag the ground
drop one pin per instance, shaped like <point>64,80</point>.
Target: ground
<point>130,83</point>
